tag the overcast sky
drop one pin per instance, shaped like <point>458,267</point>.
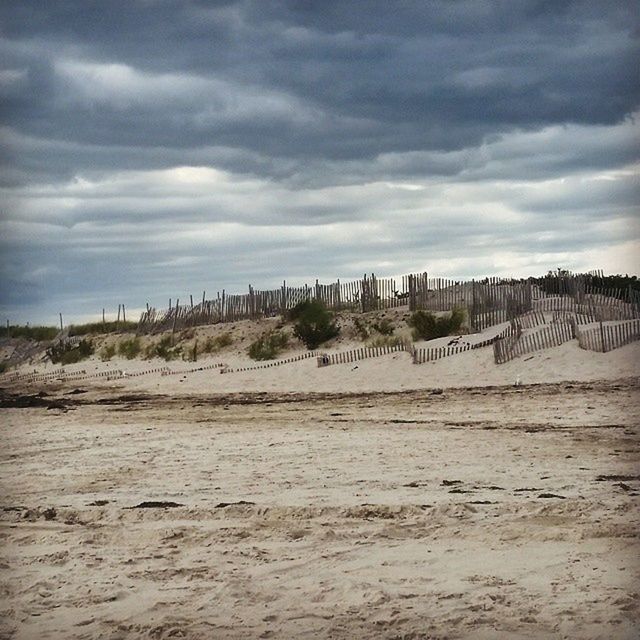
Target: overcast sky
<point>156,148</point>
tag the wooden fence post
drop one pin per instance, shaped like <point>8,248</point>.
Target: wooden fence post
<point>175,319</point>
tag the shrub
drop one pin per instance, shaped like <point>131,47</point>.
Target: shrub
<point>268,346</point>
<point>212,345</point>
<point>107,352</point>
<point>39,334</point>
<point>426,326</point>
<point>295,313</point>
<point>384,327</point>
<point>163,349</point>
<point>385,341</point>
<point>65,353</point>
<point>130,349</point>
<point>3,366</point>
<point>315,325</point>
<point>362,328</point>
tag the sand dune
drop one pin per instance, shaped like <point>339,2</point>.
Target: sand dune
<point>392,372</point>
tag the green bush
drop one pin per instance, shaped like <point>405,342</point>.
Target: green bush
<point>295,313</point>
<point>384,341</point>
<point>213,345</point>
<point>384,327</point>
<point>3,366</point>
<point>426,326</point>
<point>39,334</point>
<point>268,346</point>
<point>163,349</point>
<point>129,349</point>
<point>65,353</point>
<point>315,324</point>
<point>107,352</point>
<point>95,328</point>
<point>362,328</point>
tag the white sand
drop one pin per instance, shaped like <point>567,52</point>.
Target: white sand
<point>474,513</point>
<point>375,516</point>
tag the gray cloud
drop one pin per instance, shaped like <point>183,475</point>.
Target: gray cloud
<point>153,146</point>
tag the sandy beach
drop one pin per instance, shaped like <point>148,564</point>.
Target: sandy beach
<point>205,506</point>
<point>319,320</point>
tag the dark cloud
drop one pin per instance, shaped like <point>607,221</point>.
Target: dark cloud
<point>305,80</point>
<point>149,143</point>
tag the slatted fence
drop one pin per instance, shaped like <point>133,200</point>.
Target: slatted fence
<point>609,337</point>
<point>530,319</point>
<point>270,364</point>
<point>61,375</point>
<point>362,353</point>
<point>430,354</point>
<point>511,347</point>
<point>488,302</point>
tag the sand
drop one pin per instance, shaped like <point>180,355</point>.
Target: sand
<point>377,499</point>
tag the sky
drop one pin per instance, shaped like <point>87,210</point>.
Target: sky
<point>151,149</point>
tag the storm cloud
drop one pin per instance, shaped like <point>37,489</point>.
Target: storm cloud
<point>153,148</point>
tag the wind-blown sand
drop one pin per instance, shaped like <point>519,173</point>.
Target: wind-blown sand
<point>347,509</point>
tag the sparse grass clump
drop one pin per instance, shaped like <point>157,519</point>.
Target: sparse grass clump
<point>37,333</point>
<point>190,352</point>
<point>365,329</point>
<point>361,328</point>
<point>107,352</point>
<point>384,327</point>
<point>384,341</point>
<point>268,346</point>
<point>315,325</point>
<point>64,353</point>
<point>164,349</point>
<point>426,326</point>
<point>213,345</point>
<point>130,348</point>
<point>95,328</point>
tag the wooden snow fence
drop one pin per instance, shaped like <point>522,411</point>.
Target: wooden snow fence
<point>420,356</point>
<point>166,371</point>
<point>530,320</point>
<point>488,302</point>
<point>609,337</point>
<point>430,354</point>
<point>57,374</point>
<point>270,364</point>
<point>592,307</point>
<point>368,294</point>
<point>511,347</point>
<point>109,375</point>
<point>363,353</point>
<point>494,301</point>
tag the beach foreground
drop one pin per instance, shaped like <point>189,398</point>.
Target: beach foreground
<point>495,512</point>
